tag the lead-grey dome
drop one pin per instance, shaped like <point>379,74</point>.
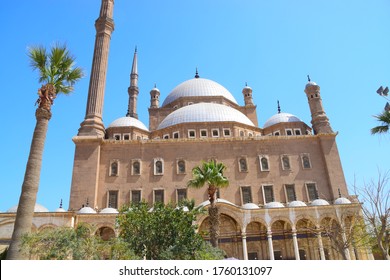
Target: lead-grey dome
<point>281,118</point>
<point>37,208</point>
<point>205,112</point>
<point>198,87</point>
<point>128,121</point>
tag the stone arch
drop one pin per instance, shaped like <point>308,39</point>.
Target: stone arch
<point>105,232</point>
<point>256,240</point>
<point>229,235</point>
<point>307,239</point>
<point>282,239</point>
<point>46,227</point>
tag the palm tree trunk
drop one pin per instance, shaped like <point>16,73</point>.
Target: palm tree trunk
<point>27,200</point>
<point>214,224</point>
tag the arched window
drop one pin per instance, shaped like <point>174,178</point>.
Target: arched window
<point>286,162</point>
<point>243,165</point>
<point>306,161</point>
<point>114,168</point>
<point>264,166</point>
<point>136,168</point>
<point>181,167</point>
<point>158,167</point>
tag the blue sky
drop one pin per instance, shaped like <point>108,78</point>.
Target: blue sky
<point>271,45</point>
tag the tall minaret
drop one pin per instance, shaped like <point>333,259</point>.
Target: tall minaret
<point>133,89</point>
<point>319,119</point>
<point>93,123</point>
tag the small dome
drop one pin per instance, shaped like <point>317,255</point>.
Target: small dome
<point>342,200</point>
<point>319,202</point>
<point>198,87</point>
<point>250,206</point>
<point>86,210</point>
<point>274,204</point>
<point>296,203</point>
<point>37,208</point>
<point>128,122</point>
<point>60,209</point>
<point>219,200</point>
<point>205,112</point>
<point>311,83</point>
<point>281,118</point>
<point>109,210</point>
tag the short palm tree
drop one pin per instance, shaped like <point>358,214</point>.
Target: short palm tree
<point>58,74</point>
<point>210,173</point>
<point>384,118</point>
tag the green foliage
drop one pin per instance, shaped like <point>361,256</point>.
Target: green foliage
<point>65,243</point>
<point>384,118</point>
<point>163,232</point>
<point>55,67</point>
<point>210,173</point>
<point>208,252</point>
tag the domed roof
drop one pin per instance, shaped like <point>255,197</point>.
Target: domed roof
<point>128,121</point>
<point>109,210</point>
<point>274,204</point>
<point>219,200</point>
<point>60,209</point>
<point>198,87</point>
<point>342,200</point>
<point>205,112</point>
<point>296,203</point>
<point>250,206</point>
<point>319,202</point>
<point>86,210</point>
<point>37,208</point>
<point>281,118</point>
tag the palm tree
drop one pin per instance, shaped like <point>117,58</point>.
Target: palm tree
<point>57,72</point>
<point>210,173</point>
<point>384,118</point>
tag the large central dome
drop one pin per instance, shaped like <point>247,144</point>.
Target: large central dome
<point>205,112</point>
<point>198,87</point>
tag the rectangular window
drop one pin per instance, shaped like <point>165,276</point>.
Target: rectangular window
<point>297,131</point>
<point>289,132</point>
<point>135,196</point>
<point>203,133</point>
<point>226,132</point>
<point>191,133</point>
<point>246,195</point>
<point>117,136</point>
<point>159,196</point>
<point>242,164</point>
<point>268,194</point>
<point>290,193</point>
<point>112,199</point>
<point>181,194</point>
<point>311,191</point>
<point>215,132</point>
<point>264,164</point>
<point>166,136</point>
<point>126,136</point>
<point>176,135</point>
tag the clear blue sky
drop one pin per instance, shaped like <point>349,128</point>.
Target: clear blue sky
<point>271,45</point>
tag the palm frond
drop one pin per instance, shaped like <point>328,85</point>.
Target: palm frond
<point>384,118</point>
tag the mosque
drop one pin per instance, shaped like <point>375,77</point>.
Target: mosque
<point>286,181</point>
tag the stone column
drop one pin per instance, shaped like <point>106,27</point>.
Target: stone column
<point>244,247</point>
<point>346,250</point>
<point>295,242</point>
<point>270,245</point>
<point>320,246</point>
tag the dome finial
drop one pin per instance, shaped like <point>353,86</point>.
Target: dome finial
<point>61,203</point>
<point>196,73</point>
<point>308,78</point>
<point>339,193</point>
<point>279,107</point>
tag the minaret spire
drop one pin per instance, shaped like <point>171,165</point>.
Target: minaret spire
<point>93,122</point>
<point>133,88</point>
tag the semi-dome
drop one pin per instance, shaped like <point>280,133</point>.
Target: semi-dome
<point>342,200</point>
<point>319,202</point>
<point>274,204</point>
<point>281,118</point>
<point>128,122</point>
<point>37,208</point>
<point>296,203</point>
<point>250,206</point>
<point>86,210</point>
<point>205,112</point>
<point>198,87</point>
<point>109,210</point>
